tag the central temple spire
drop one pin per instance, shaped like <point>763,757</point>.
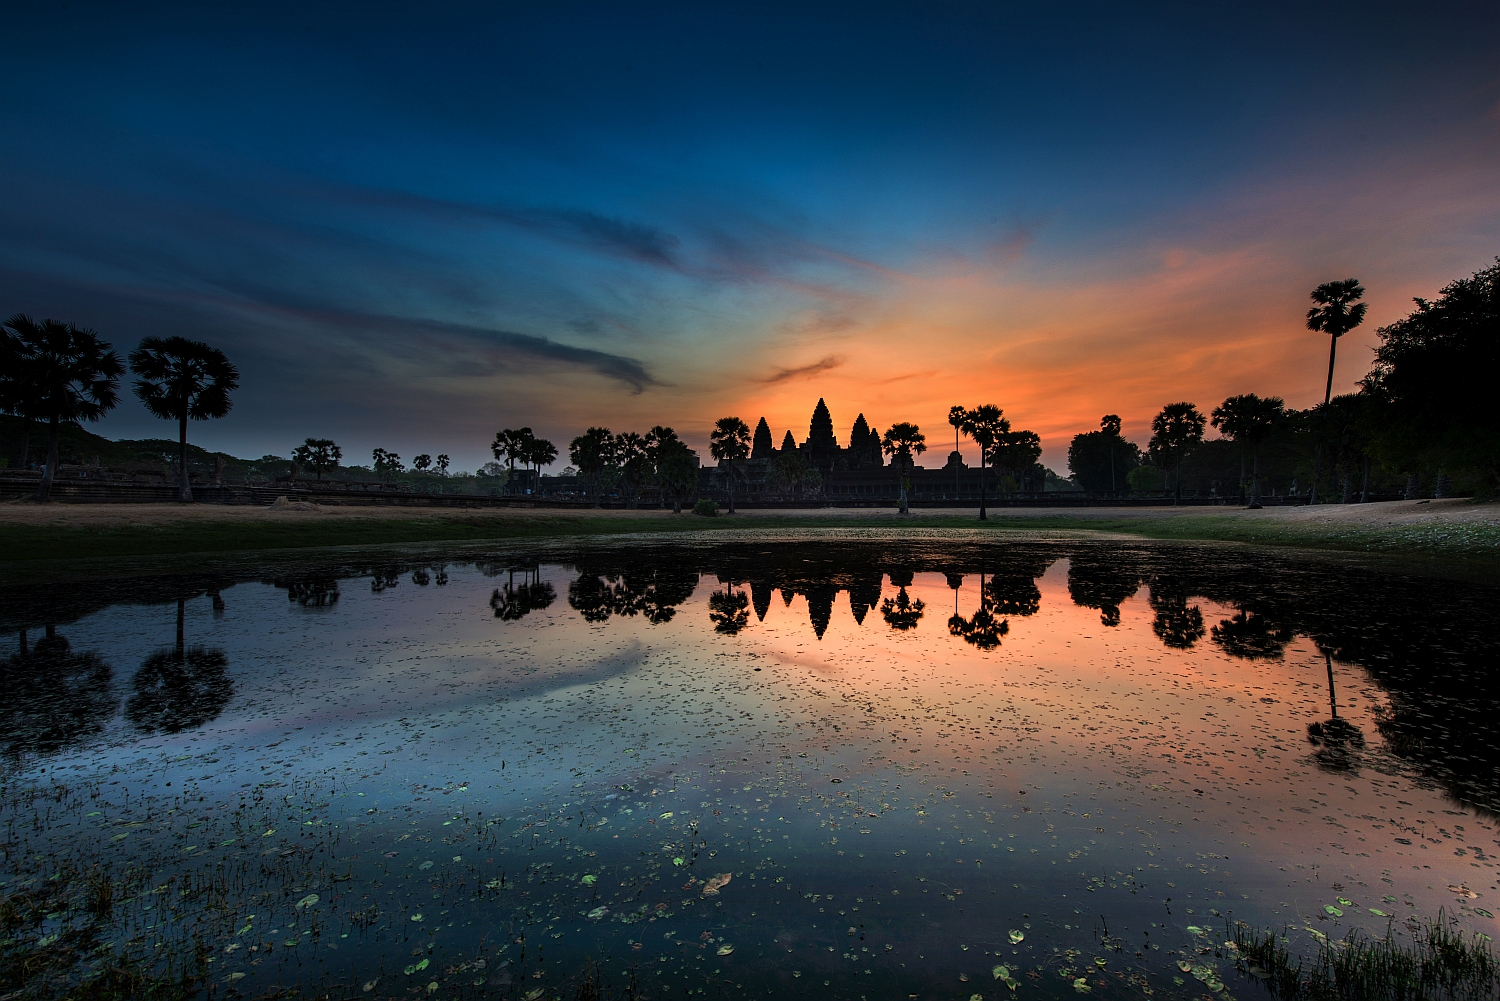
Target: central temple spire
<point>820,432</point>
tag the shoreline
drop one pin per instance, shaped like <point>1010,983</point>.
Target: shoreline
<point>1444,529</point>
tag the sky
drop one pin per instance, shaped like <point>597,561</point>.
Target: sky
<point>413,225</point>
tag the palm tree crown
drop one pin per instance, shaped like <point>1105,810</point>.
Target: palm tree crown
<point>178,379</point>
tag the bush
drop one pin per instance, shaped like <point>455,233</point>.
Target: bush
<point>1143,479</point>
<point>707,508</point>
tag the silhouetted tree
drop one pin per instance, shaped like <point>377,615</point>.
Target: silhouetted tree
<point>442,465</point>
<point>1100,461</point>
<point>1015,451</point>
<point>983,629</point>
<point>729,610</point>
<point>388,465</point>
<point>421,463</point>
<point>510,444</point>
<point>319,454</point>
<point>592,452</point>
<point>729,442</point>
<point>1250,636</point>
<point>1433,376</point>
<point>903,442</point>
<point>1177,624</point>
<point>69,375</point>
<point>956,415</point>
<point>901,612</point>
<point>1176,432</point>
<point>1104,583</point>
<point>540,452</point>
<point>54,697</point>
<point>179,689</point>
<point>178,379</point>
<point>1248,420</point>
<point>1337,312</point>
<point>676,472</point>
<point>514,601</point>
<point>985,424</point>
<point>636,466</point>
<point>789,471</point>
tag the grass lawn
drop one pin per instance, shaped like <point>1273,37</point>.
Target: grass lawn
<point>1443,529</point>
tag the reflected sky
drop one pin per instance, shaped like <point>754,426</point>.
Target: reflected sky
<point>899,753</point>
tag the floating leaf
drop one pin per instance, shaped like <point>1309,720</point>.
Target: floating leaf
<point>1481,910</point>
<point>1378,912</point>
<point>598,913</point>
<point>1346,902</point>
<point>370,984</point>
<point>725,949</point>
<point>1333,910</point>
<point>1016,937</point>
<point>679,860</point>
<point>425,865</point>
<point>666,816</point>
<point>1001,972</point>
<point>236,976</point>
<point>416,917</point>
<point>307,901</point>
<point>589,879</point>
<point>1081,985</point>
<point>712,887</point>
<point>1184,966</point>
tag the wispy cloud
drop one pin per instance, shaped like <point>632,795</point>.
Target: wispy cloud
<point>805,371</point>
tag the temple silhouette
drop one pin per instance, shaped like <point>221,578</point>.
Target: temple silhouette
<point>820,468</point>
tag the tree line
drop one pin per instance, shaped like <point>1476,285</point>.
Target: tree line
<point>1422,409</point>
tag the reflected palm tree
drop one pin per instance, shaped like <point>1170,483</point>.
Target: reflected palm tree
<point>513,601</point>
<point>1251,636</point>
<point>728,610</point>
<point>1102,585</point>
<point>1177,624</point>
<point>179,689</point>
<point>984,628</point>
<point>902,613</point>
<point>312,593</point>
<point>1339,743</point>
<point>1014,593</point>
<point>54,697</point>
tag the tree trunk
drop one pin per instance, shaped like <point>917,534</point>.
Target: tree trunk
<point>1242,472</point>
<point>731,486</point>
<point>185,485</point>
<point>1333,346</point>
<point>902,484</point>
<point>44,488</point>
<point>1177,484</point>
<point>1254,504</point>
<point>982,516</point>
<point>1312,493</point>
<point>25,441</point>
<point>1348,497</point>
<point>1364,492</point>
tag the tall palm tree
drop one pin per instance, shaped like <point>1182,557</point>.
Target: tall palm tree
<point>1337,312</point>
<point>1248,419</point>
<point>178,379</point>
<point>956,415</point>
<point>903,442</point>
<point>729,441</point>
<point>1175,432</point>
<point>540,452</point>
<point>986,425</point>
<point>70,373</point>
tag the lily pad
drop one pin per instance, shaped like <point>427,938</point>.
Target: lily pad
<point>307,901</point>
<point>1001,972</point>
<point>1081,985</point>
<point>589,879</point>
<point>1336,912</point>
<point>1017,937</point>
<point>725,949</point>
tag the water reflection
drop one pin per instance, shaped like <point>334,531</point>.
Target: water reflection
<point>179,689</point>
<point>1098,581</point>
<point>514,600</point>
<point>653,592</point>
<point>1177,624</point>
<point>984,628</point>
<point>728,610</point>
<point>54,697</point>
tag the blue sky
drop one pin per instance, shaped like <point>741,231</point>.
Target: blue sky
<point>412,226</point>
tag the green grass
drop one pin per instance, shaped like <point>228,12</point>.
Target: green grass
<point>259,532</point>
<point>1439,963</point>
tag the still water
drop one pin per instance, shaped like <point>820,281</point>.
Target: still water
<point>850,765</point>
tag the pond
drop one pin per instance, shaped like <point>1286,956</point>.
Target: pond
<point>848,765</point>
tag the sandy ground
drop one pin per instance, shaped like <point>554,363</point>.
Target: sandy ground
<point>1402,514</point>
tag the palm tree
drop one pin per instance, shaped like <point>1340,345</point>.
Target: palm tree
<point>1337,312</point>
<point>180,379</point>
<point>729,440</point>
<point>1110,425</point>
<point>903,442</point>
<point>1248,420</point>
<point>986,425</point>
<point>540,452</point>
<point>69,375</point>
<point>591,452</point>
<point>320,454</point>
<point>956,415</point>
<point>676,471</point>
<point>1016,450</point>
<point>1175,432</point>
